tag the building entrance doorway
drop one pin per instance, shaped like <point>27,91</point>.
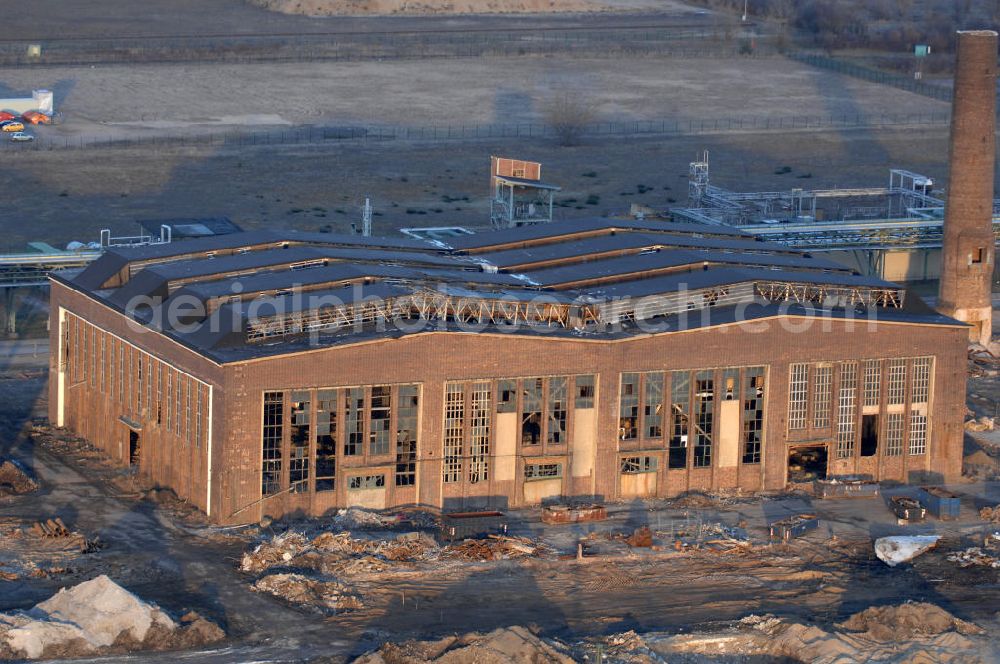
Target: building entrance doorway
<point>134,448</point>
<point>807,463</point>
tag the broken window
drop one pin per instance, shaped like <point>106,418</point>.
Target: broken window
<point>121,372</point>
<point>381,412</point>
<point>159,393</point>
<point>704,406</point>
<point>326,440</point>
<point>869,435</point>
<point>298,458</point>
<point>356,482</point>
<point>731,384</point>
<point>873,383</point>
<point>897,382</point>
<point>507,396</point>
<point>638,464</point>
<point>479,432</point>
<point>918,432</point>
<point>273,431</point>
<point>170,400</point>
<point>149,383</point>
<point>542,471</point>
<point>652,411</point>
<point>847,409</point>
<point>406,435</point>
<point>680,400</point>
<point>753,414</point>
<point>585,391</point>
<point>557,409</point>
<point>977,255</point>
<point>531,412</point>
<point>920,380</point>
<point>894,434</point>
<point>454,431</point>
<point>92,354</point>
<point>628,414</point>
<point>187,409</point>
<point>797,395</point>
<point>354,416</point>
<point>178,404</point>
<point>823,377</point>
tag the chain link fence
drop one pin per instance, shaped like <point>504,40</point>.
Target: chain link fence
<point>890,79</point>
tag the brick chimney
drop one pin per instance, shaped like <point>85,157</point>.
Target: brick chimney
<point>969,245</point>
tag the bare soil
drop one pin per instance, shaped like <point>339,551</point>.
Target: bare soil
<point>434,7</point>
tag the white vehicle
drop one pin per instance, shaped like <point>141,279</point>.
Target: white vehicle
<point>21,137</point>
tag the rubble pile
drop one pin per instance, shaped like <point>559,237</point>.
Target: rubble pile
<point>975,556</point>
<point>991,514</point>
<point>14,479</point>
<point>982,363</point>
<point>903,548</point>
<point>708,536</point>
<point>40,550</point>
<point>911,632</point>
<point>97,617</point>
<point>495,547</point>
<point>501,646</point>
<point>300,589</point>
<point>980,424</point>
<point>337,552</point>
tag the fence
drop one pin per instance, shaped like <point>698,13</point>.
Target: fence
<point>942,93</point>
<point>623,128</point>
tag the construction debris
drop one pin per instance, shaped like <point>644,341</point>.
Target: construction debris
<point>641,538</point>
<point>568,514</point>
<point>982,363</point>
<point>510,644</point>
<point>991,514</point>
<point>300,589</point>
<point>495,547</point>
<point>903,548</point>
<point>14,479</point>
<point>96,617</point>
<point>981,424</point>
<point>51,528</point>
<point>975,556</point>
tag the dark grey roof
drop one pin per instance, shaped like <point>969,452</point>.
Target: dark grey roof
<point>196,227</point>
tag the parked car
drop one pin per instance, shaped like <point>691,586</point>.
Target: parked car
<point>12,126</point>
<point>21,137</point>
<point>4,116</point>
<point>36,117</point>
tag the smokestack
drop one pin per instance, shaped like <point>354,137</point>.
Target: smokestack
<point>968,251</point>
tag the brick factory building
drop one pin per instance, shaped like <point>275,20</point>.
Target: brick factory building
<point>281,373</point>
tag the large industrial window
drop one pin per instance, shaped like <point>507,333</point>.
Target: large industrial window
<point>542,471</point>
<point>138,383</point>
<point>652,412</point>
<point>178,405</point>
<point>170,400</point>
<point>104,359</point>
<point>298,459</point>
<point>680,401</point>
<point>873,382</point>
<point>274,413</point>
<point>454,431</point>
<point>406,435</point>
<point>753,414</point>
<point>585,391</point>
<point>381,412</point>
<point>918,432</point>
<point>531,412</point>
<point>920,380</point>
<point>847,409</point>
<point>628,415</point>
<point>894,434</point>
<point>187,410</point>
<point>798,391</point>
<point>557,411</point>
<point>92,354</point>
<point>121,372</point>
<point>731,384</point>
<point>823,377</point>
<point>507,396</point>
<point>359,482</point>
<point>897,382</point>
<point>354,420</point>
<point>638,464</point>
<point>479,432</point>
<point>197,415</point>
<point>159,393</point>
<point>704,418</point>
<point>326,440</point>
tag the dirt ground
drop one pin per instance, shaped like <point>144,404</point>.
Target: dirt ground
<point>109,101</point>
<point>61,195</point>
<point>390,7</point>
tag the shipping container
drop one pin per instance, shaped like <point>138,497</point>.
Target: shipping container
<point>941,503</point>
